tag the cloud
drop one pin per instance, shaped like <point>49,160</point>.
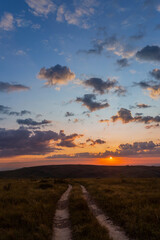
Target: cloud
<point>57,75</point>
<point>25,142</point>
<point>41,7</point>
<point>136,149</point>
<point>143,105</point>
<point>88,100</point>
<point>125,116</point>
<point>95,142</point>
<point>8,87</point>
<point>31,122</point>
<point>7,22</point>
<point>155,73</point>
<point>154,89</point>
<point>21,113</point>
<point>120,90</point>
<point>99,85</point>
<point>36,26</point>
<point>69,114</point>
<point>142,84</point>
<point>7,110</point>
<point>110,44</point>
<point>152,126</point>
<point>149,53</point>
<point>4,109</point>
<point>104,121</point>
<point>68,141</point>
<point>123,62</point>
<point>138,146</point>
<point>80,15</point>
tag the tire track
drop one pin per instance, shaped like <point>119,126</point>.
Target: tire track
<point>115,232</point>
<point>61,225</point>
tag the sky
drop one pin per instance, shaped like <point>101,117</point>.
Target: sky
<point>80,82</point>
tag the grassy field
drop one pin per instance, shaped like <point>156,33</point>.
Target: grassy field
<point>27,208</point>
<point>84,225</point>
<point>133,204</point>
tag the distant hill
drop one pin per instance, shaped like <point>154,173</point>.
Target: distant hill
<point>83,171</point>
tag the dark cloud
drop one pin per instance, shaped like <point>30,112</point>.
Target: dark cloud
<point>56,75</point>
<point>100,86</point>
<point>143,105</point>
<point>68,141</point>
<point>155,73</point>
<point>95,142</point>
<point>7,110</point>
<point>138,114</point>
<point>125,116</point>
<point>25,142</point>
<point>152,87</point>
<point>100,45</point>
<point>142,84</point>
<point>30,121</point>
<point>21,113</point>
<point>8,87</point>
<point>69,114</point>
<point>109,44</point>
<point>123,62</point>
<point>120,91</point>
<point>139,149</point>
<point>149,53</point>
<point>152,126</point>
<point>138,146</point>
<point>4,109</point>
<point>89,101</point>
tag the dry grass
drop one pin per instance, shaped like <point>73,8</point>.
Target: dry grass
<point>27,208</point>
<point>133,204</point>
<point>84,224</point>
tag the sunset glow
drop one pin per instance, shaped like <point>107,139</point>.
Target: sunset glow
<point>80,83</point>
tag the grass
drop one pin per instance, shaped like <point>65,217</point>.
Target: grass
<point>84,224</point>
<point>27,208</point>
<point>134,204</point>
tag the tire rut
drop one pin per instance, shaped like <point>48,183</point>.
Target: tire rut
<point>61,225</point>
<point>115,232</point>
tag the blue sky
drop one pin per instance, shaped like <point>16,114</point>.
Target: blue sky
<point>98,61</point>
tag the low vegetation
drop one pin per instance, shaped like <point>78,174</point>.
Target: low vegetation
<point>27,208</point>
<point>84,224</point>
<point>134,204</point>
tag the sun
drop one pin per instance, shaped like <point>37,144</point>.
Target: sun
<point>110,158</point>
